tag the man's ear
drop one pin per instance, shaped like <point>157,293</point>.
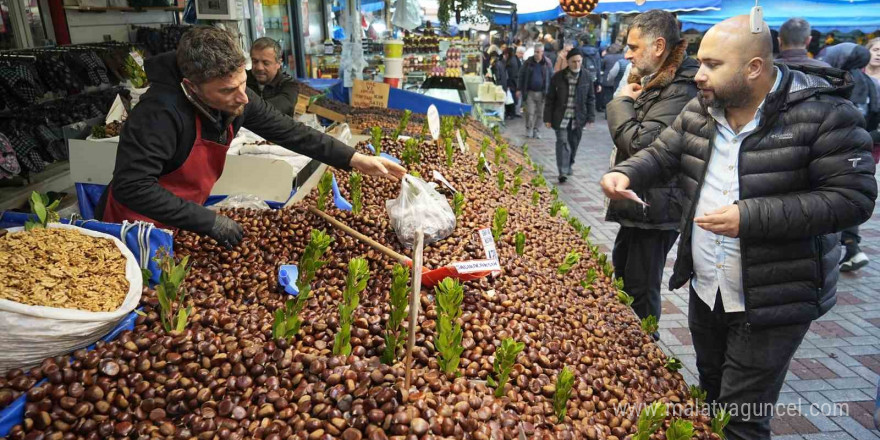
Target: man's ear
<point>756,67</point>
<point>659,46</point>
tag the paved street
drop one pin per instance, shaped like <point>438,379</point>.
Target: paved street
<point>836,367</point>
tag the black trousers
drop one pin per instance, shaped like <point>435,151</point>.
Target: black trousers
<point>639,256</point>
<point>742,369</point>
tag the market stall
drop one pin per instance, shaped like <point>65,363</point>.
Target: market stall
<point>516,328</point>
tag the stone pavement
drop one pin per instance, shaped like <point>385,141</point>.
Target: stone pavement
<point>833,377</point>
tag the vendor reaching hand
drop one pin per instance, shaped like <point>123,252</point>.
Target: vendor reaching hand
<point>173,146</point>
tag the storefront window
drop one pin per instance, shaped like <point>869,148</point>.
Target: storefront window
<point>7,35</point>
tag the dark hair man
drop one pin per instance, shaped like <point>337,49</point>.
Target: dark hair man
<point>794,38</point>
<point>774,163</point>
<point>173,146</point>
<point>660,84</point>
<point>277,88</point>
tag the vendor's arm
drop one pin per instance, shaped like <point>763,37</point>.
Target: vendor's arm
<point>147,144</point>
<point>297,137</point>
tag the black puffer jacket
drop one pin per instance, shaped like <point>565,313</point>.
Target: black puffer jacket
<point>805,174</point>
<point>635,124</point>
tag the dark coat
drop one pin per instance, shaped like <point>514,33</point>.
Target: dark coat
<point>499,73</point>
<point>592,60</point>
<point>526,72</point>
<point>805,174</point>
<point>280,93</point>
<point>557,97</point>
<point>159,134</point>
<point>798,57</point>
<point>513,66</point>
<point>634,125</point>
<point>608,62</point>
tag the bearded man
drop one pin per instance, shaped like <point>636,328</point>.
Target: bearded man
<point>774,163</point>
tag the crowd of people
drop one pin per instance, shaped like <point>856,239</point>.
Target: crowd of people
<point>760,164</point>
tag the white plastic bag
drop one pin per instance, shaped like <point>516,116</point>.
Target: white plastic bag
<point>407,14</point>
<point>420,206</point>
<point>33,333</point>
<point>241,201</point>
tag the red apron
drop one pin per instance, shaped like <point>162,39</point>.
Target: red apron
<point>193,181</point>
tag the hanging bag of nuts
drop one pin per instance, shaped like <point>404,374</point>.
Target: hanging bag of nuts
<point>420,206</point>
<point>61,289</point>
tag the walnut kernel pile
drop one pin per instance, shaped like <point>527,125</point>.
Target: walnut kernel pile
<point>63,268</point>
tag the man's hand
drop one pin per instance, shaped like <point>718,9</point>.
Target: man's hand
<point>613,184</point>
<point>377,166</point>
<point>549,125</point>
<point>518,93</point>
<point>598,89</point>
<point>632,90</point>
<point>226,231</point>
<point>723,221</point>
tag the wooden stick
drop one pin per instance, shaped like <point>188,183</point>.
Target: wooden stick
<point>414,302</point>
<point>348,230</point>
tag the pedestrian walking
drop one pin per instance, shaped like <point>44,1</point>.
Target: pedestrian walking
<point>866,96</point>
<point>568,108</point>
<point>534,82</point>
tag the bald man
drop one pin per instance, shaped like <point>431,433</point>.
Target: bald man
<point>773,163</point>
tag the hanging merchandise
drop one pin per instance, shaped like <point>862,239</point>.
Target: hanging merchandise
<point>578,8</point>
<point>407,14</point>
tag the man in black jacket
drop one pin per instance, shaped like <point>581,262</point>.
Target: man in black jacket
<point>794,38</point>
<point>660,84</point>
<point>774,163</point>
<point>568,108</point>
<point>534,82</point>
<point>173,146</point>
<point>265,78</point>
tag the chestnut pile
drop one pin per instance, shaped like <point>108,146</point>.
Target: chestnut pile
<point>225,377</point>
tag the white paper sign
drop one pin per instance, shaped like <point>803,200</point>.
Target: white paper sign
<point>488,243</point>
<point>439,177</point>
<point>137,58</point>
<point>461,144</point>
<point>434,121</point>
<point>476,266</point>
<point>488,167</point>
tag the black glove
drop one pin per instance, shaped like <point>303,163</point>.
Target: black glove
<point>226,231</point>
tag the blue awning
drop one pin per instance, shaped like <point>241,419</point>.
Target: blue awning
<point>527,13</point>
<point>823,15</point>
<point>630,7</point>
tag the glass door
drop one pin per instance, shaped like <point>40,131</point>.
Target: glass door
<point>21,24</point>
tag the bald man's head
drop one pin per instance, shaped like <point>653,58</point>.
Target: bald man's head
<point>735,63</point>
<point>739,39</point>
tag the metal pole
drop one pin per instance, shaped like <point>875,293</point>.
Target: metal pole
<point>296,36</point>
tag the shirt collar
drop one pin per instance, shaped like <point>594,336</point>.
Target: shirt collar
<point>718,113</point>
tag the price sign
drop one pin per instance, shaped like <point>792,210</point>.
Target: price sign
<point>137,58</point>
<point>433,121</point>
<point>439,177</point>
<point>369,94</point>
<point>461,145</point>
